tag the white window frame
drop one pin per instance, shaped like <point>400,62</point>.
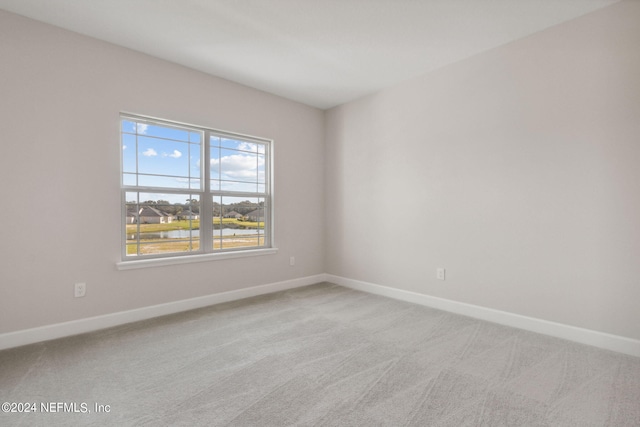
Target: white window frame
<point>206,251</point>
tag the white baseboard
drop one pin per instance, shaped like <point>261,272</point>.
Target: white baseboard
<point>584,336</point>
<point>74,327</point>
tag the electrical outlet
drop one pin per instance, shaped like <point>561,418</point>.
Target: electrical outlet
<point>79,290</point>
<point>440,273</point>
<point>292,261</point>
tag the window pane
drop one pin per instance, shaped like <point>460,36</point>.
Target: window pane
<point>162,157</point>
<point>128,126</point>
<point>239,166</point>
<point>239,145</point>
<point>235,163</point>
<point>195,171</point>
<point>128,153</point>
<point>214,163</point>
<point>162,181</point>
<point>238,186</point>
<point>241,225</point>
<point>162,223</point>
<point>163,131</point>
<point>195,137</point>
<point>129,179</point>
<point>162,154</point>
<point>218,218</point>
<point>194,183</point>
<point>261,169</point>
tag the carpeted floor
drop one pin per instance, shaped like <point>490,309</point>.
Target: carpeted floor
<point>321,355</point>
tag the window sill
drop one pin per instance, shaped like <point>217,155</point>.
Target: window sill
<point>160,262</point>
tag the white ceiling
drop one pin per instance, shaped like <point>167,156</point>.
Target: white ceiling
<point>319,52</point>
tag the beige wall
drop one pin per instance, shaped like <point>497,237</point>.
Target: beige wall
<point>517,170</point>
<point>60,96</point>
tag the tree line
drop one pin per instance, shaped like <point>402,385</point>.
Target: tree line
<point>193,205</point>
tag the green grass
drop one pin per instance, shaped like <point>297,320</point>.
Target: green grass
<point>155,246</point>
<point>193,225</point>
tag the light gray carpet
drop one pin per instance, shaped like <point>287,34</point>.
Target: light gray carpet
<point>322,355</point>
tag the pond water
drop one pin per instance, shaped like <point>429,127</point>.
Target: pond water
<point>184,234</point>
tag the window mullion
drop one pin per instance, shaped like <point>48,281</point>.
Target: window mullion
<point>268,196</point>
<point>206,202</point>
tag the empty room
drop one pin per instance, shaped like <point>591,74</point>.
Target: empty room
<point>320,213</point>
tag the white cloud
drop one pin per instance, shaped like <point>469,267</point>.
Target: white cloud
<point>249,146</point>
<point>142,128</point>
<point>176,154</point>
<point>246,146</point>
<point>150,152</point>
<point>124,147</point>
<point>238,165</point>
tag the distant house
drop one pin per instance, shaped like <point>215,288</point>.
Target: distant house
<point>149,215</point>
<point>132,216</point>
<point>256,216</point>
<point>188,215</point>
<point>233,214</point>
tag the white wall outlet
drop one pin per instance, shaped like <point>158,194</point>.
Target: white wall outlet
<point>292,260</point>
<point>79,290</point>
<point>440,273</point>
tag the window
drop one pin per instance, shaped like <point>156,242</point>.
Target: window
<point>189,190</point>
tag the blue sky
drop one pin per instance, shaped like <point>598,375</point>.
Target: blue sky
<point>175,153</point>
